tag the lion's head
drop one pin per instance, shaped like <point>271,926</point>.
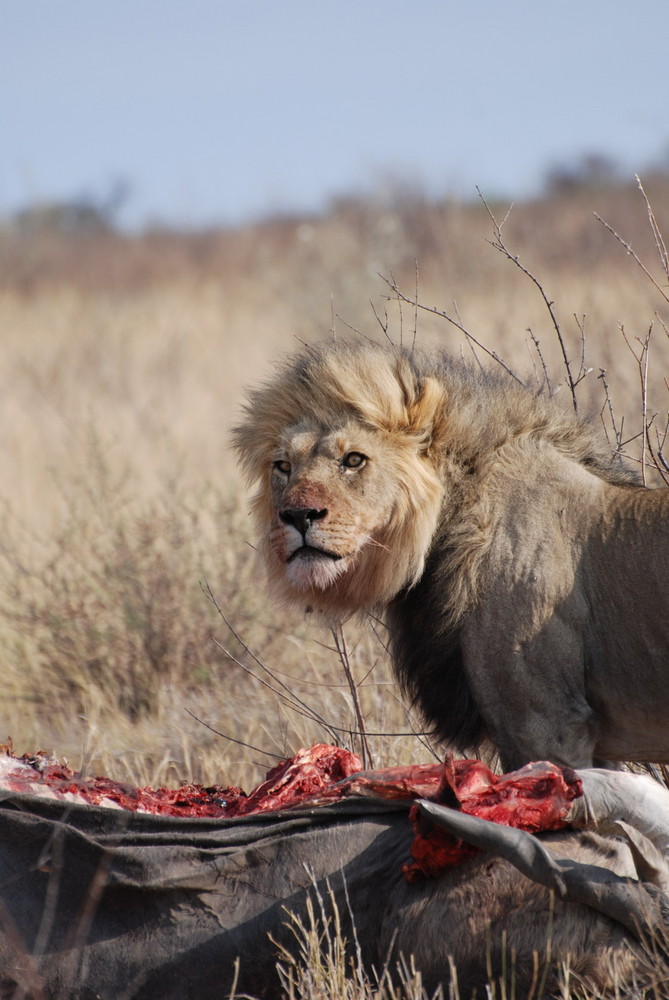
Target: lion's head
<point>344,444</point>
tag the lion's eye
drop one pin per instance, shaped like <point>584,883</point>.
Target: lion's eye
<point>354,460</point>
<point>283,466</point>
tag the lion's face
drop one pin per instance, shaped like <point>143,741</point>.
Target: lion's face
<point>342,443</point>
<point>333,496</point>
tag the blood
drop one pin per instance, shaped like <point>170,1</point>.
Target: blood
<point>536,797</point>
<point>38,775</point>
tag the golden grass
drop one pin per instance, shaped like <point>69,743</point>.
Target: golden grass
<point>123,365</point>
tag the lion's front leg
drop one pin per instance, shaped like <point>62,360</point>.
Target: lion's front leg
<point>530,689</point>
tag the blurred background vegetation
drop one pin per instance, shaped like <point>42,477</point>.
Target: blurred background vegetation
<point>125,547</point>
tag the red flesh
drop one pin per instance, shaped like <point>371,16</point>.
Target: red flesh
<point>537,797</point>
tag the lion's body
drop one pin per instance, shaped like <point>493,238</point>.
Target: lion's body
<point>523,571</point>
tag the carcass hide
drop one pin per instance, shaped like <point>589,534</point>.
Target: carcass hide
<point>102,902</point>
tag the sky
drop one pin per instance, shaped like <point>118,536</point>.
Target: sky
<point>215,112</point>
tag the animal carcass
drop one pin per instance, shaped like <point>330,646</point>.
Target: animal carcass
<point>104,902</point>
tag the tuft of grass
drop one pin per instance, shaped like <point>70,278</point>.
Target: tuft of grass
<point>324,965</point>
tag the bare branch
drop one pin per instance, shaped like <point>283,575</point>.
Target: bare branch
<point>333,315</point>
<point>657,453</point>
<point>383,323</point>
<point>293,703</point>
<point>348,326</point>
<point>655,229</point>
<point>537,347</point>
<point>401,297</point>
<point>498,244</point>
<point>633,254</point>
<point>232,739</point>
<point>283,692</point>
<point>642,364</point>
<point>415,311</point>
<point>582,370</point>
<point>618,433</point>
<point>342,649</point>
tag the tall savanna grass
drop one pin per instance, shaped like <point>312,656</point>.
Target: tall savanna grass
<point>136,636</point>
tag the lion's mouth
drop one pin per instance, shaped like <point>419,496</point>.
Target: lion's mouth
<point>308,552</point>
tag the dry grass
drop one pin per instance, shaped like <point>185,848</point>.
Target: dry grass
<point>123,364</point>
<point>322,964</point>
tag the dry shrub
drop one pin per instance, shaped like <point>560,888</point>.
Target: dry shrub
<point>137,619</point>
<point>139,643</point>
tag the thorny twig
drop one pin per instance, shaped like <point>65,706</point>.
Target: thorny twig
<point>281,690</point>
<point>383,323</point>
<point>231,739</point>
<point>537,347</point>
<point>400,297</point>
<point>655,450</point>
<point>608,403</point>
<point>642,364</point>
<point>659,243</point>
<point>648,447</point>
<point>580,323</point>
<point>499,244</point>
<point>655,229</point>
<point>659,453</point>
<point>292,701</point>
<point>415,311</point>
<point>342,649</point>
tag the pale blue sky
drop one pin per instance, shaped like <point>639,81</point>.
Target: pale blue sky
<point>217,111</point>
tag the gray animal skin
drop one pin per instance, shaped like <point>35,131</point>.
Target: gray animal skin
<point>103,903</point>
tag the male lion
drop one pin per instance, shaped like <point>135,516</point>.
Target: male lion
<point>523,572</point>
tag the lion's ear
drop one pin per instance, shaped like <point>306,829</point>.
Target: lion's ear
<point>428,413</point>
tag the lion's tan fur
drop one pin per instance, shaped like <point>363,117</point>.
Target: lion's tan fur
<point>522,570</point>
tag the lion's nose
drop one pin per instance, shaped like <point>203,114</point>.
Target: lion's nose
<point>302,517</point>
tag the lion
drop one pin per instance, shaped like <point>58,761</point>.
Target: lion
<point>522,570</point>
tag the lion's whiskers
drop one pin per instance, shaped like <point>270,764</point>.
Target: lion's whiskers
<point>379,545</point>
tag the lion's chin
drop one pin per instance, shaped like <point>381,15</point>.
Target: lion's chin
<point>314,571</point>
